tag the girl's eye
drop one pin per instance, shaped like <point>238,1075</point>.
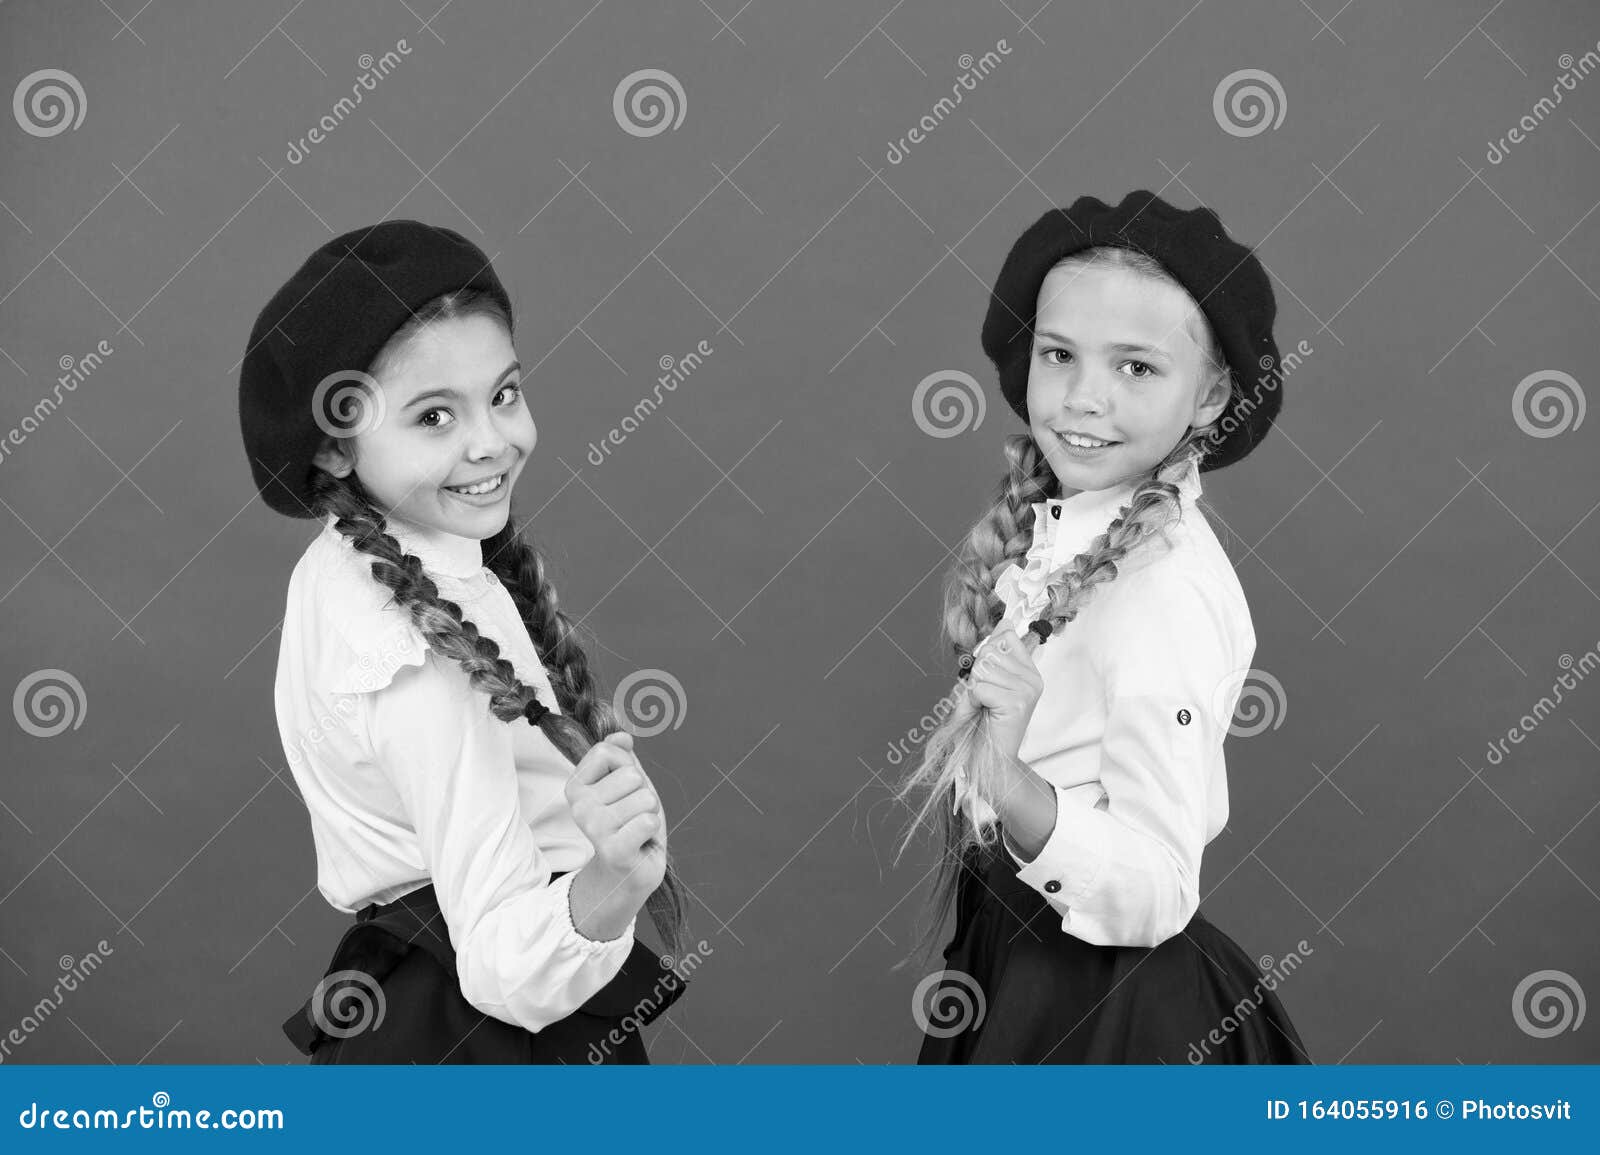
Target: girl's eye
<point>1051,352</point>
<point>1143,365</point>
<point>422,419</point>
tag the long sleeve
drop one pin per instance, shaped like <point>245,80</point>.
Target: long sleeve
<point>1128,875</point>
<point>519,957</point>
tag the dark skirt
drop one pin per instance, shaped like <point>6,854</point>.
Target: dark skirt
<point>391,995</point>
<point>1023,990</point>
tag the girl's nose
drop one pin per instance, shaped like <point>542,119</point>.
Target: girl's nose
<point>487,442</point>
<point>1085,392</point>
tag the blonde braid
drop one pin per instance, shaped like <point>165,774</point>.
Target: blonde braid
<point>1001,536</point>
<point>1153,506</point>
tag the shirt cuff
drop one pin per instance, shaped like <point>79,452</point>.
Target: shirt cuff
<point>1071,859</point>
<point>562,893</point>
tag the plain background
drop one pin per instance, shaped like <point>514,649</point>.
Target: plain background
<point>773,537</point>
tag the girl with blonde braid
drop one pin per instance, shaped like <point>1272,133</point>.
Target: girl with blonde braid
<point>471,798</point>
<point>1101,640</point>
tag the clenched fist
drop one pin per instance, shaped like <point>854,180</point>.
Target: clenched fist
<point>620,814</point>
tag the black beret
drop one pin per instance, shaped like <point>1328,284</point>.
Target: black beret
<point>1224,276</point>
<point>329,320</point>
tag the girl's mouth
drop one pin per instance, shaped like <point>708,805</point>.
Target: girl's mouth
<point>485,493</point>
<point>1079,446</point>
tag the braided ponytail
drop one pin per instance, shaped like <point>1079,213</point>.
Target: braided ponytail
<point>1002,536</point>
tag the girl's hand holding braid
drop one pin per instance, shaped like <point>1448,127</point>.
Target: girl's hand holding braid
<point>1005,681</point>
<point>620,813</point>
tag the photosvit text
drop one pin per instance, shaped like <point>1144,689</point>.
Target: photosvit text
<point>1477,1109</point>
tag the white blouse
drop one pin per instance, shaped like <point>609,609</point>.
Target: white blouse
<point>1139,692</point>
<point>408,778</point>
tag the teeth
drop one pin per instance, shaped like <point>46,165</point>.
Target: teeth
<point>1082,442</point>
<point>483,487</point>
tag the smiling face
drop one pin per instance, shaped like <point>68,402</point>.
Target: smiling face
<point>1113,359</point>
<point>453,414</point>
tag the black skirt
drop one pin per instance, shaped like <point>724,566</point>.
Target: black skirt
<point>391,995</point>
<point>1022,990</point>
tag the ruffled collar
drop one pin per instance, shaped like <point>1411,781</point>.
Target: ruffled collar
<point>443,554</point>
<point>1062,529</point>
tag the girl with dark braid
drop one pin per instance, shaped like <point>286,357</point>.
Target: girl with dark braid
<point>472,799</point>
<point>1101,640</point>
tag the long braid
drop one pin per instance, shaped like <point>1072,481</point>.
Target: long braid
<point>1001,536</point>
<point>452,635</point>
<point>522,569</point>
<point>971,611</point>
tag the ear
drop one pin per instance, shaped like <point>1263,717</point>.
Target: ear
<point>333,458</point>
<point>1213,400</point>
